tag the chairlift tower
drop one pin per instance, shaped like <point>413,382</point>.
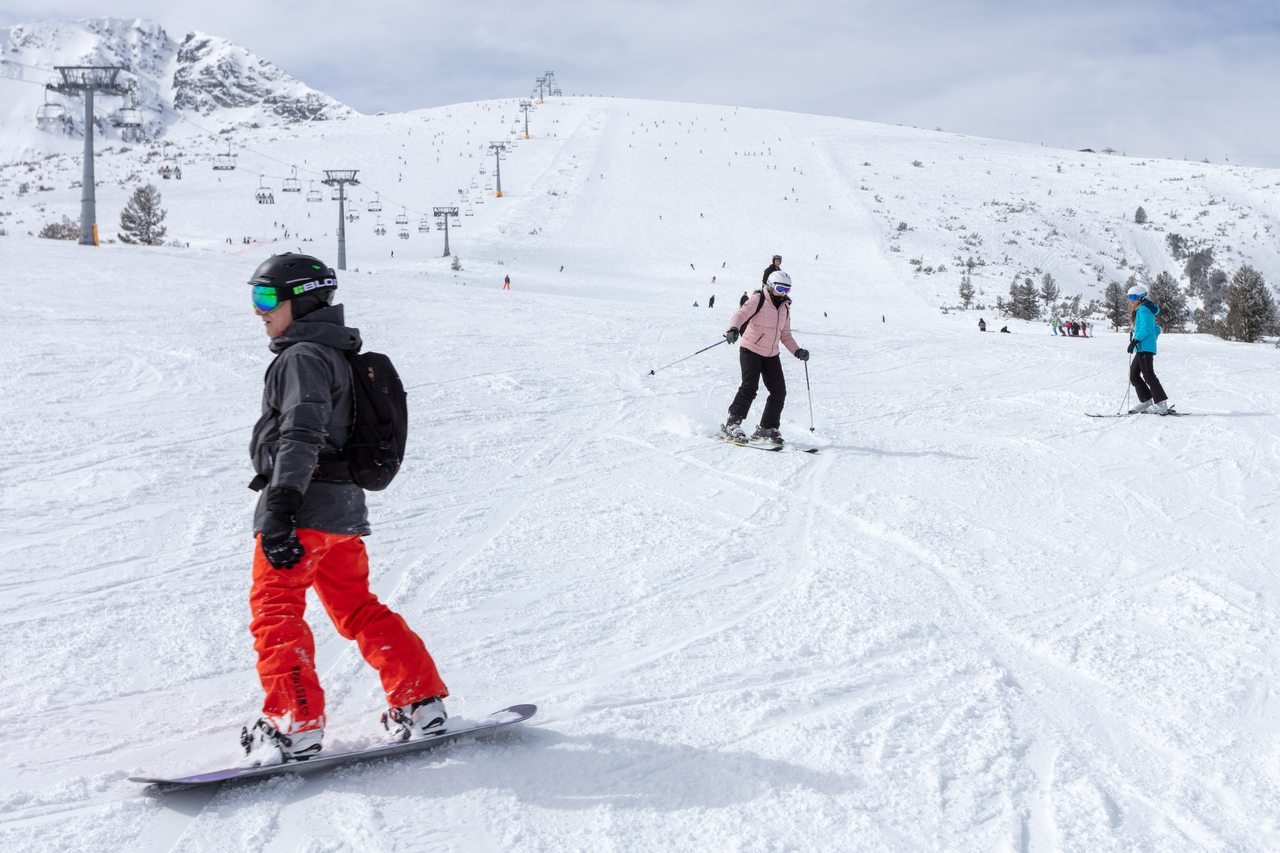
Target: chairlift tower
<point>542,84</point>
<point>338,179</point>
<point>443,214</point>
<point>497,148</point>
<point>524,105</point>
<point>85,80</point>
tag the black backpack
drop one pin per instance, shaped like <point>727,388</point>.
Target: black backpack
<point>375,448</point>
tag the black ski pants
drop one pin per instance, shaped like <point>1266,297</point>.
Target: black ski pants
<point>755,366</point>
<point>1142,374</point>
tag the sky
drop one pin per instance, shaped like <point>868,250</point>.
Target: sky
<point>1168,78</point>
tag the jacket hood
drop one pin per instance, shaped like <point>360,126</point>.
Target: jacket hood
<point>1155,309</point>
<point>323,326</point>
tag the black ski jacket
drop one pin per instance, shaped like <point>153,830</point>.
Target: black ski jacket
<point>306,410</point>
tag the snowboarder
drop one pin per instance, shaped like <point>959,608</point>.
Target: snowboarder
<point>1142,344</point>
<point>761,323</point>
<point>309,525</point>
<point>771,269</point>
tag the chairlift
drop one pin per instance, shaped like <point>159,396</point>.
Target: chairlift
<point>402,218</point>
<point>379,228</point>
<point>50,116</point>
<point>424,225</point>
<point>291,183</point>
<point>470,211</point>
<point>314,194</point>
<point>264,196</point>
<point>375,206</point>
<point>335,194</point>
<point>404,232</point>
<point>488,185</point>
<point>225,162</point>
<point>353,215</point>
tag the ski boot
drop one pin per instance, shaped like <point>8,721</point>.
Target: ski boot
<point>1140,408</point>
<point>765,435</point>
<point>264,743</point>
<point>421,719</point>
<point>1164,407</point>
<point>731,429</point>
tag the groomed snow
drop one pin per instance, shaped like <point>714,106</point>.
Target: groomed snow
<point>977,620</point>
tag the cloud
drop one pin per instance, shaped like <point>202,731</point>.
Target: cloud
<point>1152,77</point>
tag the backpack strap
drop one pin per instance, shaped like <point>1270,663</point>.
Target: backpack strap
<point>742,330</point>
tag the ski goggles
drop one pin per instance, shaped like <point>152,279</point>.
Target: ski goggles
<point>1133,297</point>
<point>266,299</point>
<point>781,288</point>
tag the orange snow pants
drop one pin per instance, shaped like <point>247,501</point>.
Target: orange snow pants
<point>338,567</point>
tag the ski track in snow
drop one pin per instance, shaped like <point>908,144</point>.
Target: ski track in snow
<point>977,620</point>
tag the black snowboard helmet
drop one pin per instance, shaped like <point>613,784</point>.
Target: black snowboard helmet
<point>308,282</point>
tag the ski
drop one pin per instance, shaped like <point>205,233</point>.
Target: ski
<point>453,729</point>
<point>768,448</point>
<point>1170,413</point>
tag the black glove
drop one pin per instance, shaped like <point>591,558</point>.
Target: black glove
<point>802,354</point>
<point>1133,345</point>
<point>731,336</point>
<point>280,543</point>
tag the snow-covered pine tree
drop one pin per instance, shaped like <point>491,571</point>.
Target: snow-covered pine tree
<point>142,220</point>
<point>966,291</point>
<point>1140,216</point>
<point>1251,309</point>
<point>1174,312</point>
<point>1116,305</point>
<point>1049,291</point>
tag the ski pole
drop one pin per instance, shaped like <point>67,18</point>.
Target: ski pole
<point>1127,388</point>
<point>687,357</point>
<point>810,390</point>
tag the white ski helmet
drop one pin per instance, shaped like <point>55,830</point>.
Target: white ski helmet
<point>779,281</point>
<point>1138,291</point>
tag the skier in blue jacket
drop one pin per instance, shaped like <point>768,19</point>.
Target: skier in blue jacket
<point>1142,343</point>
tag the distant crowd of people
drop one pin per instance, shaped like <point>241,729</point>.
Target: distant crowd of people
<point>1072,327</point>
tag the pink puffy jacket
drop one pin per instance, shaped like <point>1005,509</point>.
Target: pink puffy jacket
<point>768,327</point>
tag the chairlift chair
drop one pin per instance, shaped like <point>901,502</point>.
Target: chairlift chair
<point>375,206</point>
<point>50,116</point>
<point>379,228</point>
<point>470,211</point>
<point>291,183</point>
<point>225,162</point>
<point>352,215</point>
<point>314,194</point>
<point>424,225</point>
<point>404,232</point>
<point>402,218</point>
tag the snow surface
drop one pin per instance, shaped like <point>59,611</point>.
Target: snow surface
<point>978,620</point>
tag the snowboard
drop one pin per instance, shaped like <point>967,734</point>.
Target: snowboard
<point>770,448</point>
<point>453,729</point>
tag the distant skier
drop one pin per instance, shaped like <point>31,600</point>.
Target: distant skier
<point>771,269</point>
<point>711,303</point>
<point>982,325</point>
<point>763,322</point>
<point>506,282</point>
<point>309,524</point>
<point>1142,344</point>
<point>743,300</point>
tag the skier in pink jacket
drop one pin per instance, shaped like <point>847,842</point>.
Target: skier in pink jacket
<point>761,323</point>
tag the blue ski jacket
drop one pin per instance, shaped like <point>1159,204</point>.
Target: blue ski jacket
<point>1145,327</point>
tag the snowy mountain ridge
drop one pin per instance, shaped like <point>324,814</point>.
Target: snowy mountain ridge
<point>201,75</point>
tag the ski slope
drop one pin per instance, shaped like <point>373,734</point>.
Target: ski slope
<point>977,620</point>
